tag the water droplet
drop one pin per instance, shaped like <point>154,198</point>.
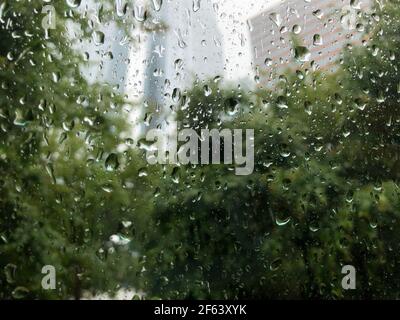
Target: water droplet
<point>20,119</point>
<point>176,95</point>
<point>318,13</point>
<point>50,172</point>
<point>355,4</point>
<point>217,79</point>
<point>140,13</point>
<point>268,62</point>
<point>74,3</point>
<point>317,40</point>
<point>98,38</point>
<point>338,99</point>
<point>119,240</point>
<point>142,172</point>
<point>381,97</point>
<point>373,224</point>
<point>281,102</point>
<point>157,4</point>
<point>9,271</point>
<point>308,107</point>
<point>207,90</point>
<point>10,56</point>
<point>126,224</point>
<point>112,162</point>
<point>56,76</point>
<point>181,43</point>
<point>120,8</point>
<point>282,222</point>
<point>107,188</point>
<point>250,25</point>
<point>346,134</point>
<point>232,106</point>
<point>302,54</point>
<point>143,144</point>
<point>275,264</point>
<point>175,175</point>
<point>20,292</point>
<point>196,5</point>
<point>68,126</point>
<point>178,64</point>
<point>296,29</point>
<point>314,228</point>
<point>276,18</point>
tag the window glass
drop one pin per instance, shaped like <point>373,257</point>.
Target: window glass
<point>199,149</point>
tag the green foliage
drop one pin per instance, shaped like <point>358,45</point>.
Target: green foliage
<point>61,193</point>
<point>324,192</point>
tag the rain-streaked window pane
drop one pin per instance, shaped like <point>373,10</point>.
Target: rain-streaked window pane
<point>199,149</point>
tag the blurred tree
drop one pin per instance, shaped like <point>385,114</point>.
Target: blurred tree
<point>66,187</point>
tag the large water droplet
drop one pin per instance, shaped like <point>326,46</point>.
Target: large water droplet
<point>317,40</point>
<point>178,64</point>
<point>275,264</point>
<point>20,119</point>
<point>207,90</point>
<point>282,222</point>
<point>175,175</point>
<point>296,29</point>
<point>121,7</point>
<point>9,271</point>
<point>20,292</point>
<point>281,102</point>
<point>98,38</point>
<point>268,62</point>
<point>276,18</point>
<point>302,54</point>
<point>112,162</point>
<point>176,95</point>
<point>142,172</point>
<point>196,5</point>
<point>157,4</point>
<point>139,13</point>
<point>119,240</point>
<point>318,13</point>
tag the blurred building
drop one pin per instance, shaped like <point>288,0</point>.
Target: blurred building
<point>296,32</point>
<point>187,48</point>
